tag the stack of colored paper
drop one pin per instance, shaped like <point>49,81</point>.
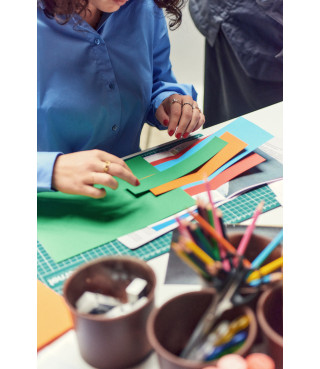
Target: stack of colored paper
<point>69,224</point>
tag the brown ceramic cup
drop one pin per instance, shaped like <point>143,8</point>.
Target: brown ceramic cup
<point>270,319</point>
<point>170,326</point>
<point>256,244</point>
<point>111,343</point>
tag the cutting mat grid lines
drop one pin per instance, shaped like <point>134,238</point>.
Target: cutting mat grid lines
<point>239,209</point>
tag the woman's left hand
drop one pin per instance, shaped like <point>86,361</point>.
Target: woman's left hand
<point>181,114</point>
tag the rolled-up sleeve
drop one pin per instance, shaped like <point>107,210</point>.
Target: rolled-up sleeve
<point>164,81</point>
<point>46,161</point>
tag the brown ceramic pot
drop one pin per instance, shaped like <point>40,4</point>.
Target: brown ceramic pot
<point>256,244</point>
<point>270,319</point>
<point>111,343</point>
<point>170,326</point>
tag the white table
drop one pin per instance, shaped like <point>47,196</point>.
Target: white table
<point>64,354</point>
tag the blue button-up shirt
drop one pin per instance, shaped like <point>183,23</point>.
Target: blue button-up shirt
<point>96,88</point>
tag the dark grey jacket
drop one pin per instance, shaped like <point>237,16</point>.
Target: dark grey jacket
<point>253,28</point>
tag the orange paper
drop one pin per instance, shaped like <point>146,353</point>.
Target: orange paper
<point>240,167</point>
<point>234,146</point>
<point>53,316</point>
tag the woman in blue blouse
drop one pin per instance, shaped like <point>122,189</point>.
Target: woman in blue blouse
<point>103,71</point>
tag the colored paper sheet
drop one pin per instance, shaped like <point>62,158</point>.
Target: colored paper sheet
<point>246,131</point>
<point>140,167</point>
<point>233,147</point>
<point>69,224</point>
<point>53,316</point>
<point>184,154</point>
<point>238,168</point>
<point>178,153</point>
<point>269,170</point>
<point>192,162</point>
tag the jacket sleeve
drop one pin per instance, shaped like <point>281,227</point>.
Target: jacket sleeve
<point>45,165</point>
<point>164,81</point>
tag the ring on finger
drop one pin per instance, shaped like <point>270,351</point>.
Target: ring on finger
<point>107,165</point>
<point>175,101</point>
<point>196,107</point>
<point>186,103</point>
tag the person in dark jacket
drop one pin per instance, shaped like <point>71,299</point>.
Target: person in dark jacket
<point>243,55</point>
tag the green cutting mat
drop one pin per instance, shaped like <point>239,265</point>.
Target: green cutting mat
<point>235,211</point>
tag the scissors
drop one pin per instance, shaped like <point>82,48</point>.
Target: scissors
<point>225,298</point>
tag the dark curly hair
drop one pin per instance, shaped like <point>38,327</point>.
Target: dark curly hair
<point>65,8</point>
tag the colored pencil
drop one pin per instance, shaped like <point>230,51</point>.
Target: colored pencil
<point>249,230</point>
<point>217,226</point>
<point>269,278</point>
<point>186,259</point>
<point>226,244</point>
<point>199,252</point>
<point>223,228</point>
<point>200,239</point>
<point>212,240</point>
<point>267,251</point>
<point>266,269</point>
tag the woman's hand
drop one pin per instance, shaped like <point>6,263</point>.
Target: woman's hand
<point>180,114</point>
<point>76,173</point>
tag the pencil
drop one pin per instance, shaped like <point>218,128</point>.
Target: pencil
<point>273,277</point>
<point>223,228</point>
<point>217,226</point>
<point>225,243</point>
<point>198,252</point>
<point>249,230</point>
<point>188,261</point>
<point>267,250</point>
<point>200,239</point>
<point>266,269</point>
<point>228,262</point>
<point>213,242</point>
<point>201,209</point>
<point>182,227</point>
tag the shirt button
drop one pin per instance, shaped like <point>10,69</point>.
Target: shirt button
<point>97,41</point>
<point>111,86</point>
<point>115,127</point>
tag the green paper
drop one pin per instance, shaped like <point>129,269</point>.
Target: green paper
<point>70,224</point>
<point>194,161</point>
<point>140,167</point>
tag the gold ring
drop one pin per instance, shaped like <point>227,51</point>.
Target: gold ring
<point>196,107</point>
<point>175,101</point>
<point>186,103</point>
<point>106,168</point>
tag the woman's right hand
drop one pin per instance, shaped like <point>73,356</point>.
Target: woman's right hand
<point>76,173</point>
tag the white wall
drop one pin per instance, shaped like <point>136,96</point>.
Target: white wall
<point>187,54</point>
<point>187,58</point>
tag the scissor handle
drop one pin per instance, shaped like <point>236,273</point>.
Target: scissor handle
<point>238,299</point>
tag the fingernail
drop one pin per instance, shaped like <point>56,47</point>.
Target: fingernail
<point>166,122</point>
<point>171,133</point>
<point>185,135</point>
<point>178,135</point>
<point>137,182</point>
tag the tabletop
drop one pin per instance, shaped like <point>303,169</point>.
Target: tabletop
<point>64,352</point>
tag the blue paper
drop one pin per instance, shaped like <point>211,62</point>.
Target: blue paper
<point>246,131</point>
<point>171,163</point>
